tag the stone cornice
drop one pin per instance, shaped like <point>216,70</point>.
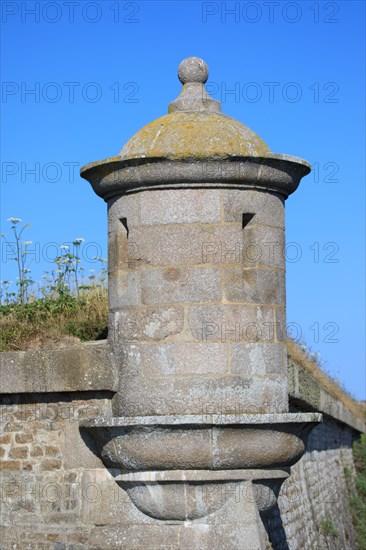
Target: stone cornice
<point>275,173</point>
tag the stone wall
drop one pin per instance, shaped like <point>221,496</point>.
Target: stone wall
<point>56,494</point>
<point>43,461</point>
<point>313,509</point>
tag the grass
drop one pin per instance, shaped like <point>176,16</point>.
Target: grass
<point>67,305</point>
<point>358,496</point>
<point>307,360</point>
<point>356,485</point>
<point>46,322</point>
<point>328,528</point>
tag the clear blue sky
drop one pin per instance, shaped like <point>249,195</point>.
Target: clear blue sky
<point>101,70</point>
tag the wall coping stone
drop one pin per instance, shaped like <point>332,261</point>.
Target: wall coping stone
<point>306,390</point>
<point>85,367</point>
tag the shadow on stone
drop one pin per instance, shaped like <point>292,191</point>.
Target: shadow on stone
<point>275,530</point>
<point>103,334</point>
<point>89,442</point>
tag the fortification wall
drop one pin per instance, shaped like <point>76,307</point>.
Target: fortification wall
<point>313,506</point>
<point>56,493</point>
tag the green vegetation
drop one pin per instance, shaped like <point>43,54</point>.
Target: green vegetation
<point>328,528</point>
<point>358,496</point>
<point>66,303</point>
<point>45,321</point>
<point>300,354</point>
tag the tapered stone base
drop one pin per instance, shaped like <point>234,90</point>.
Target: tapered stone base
<point>183,495</point>
<point>236,525</point>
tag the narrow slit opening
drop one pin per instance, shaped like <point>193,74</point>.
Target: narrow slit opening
<point>124,223</point>
<point>247,217</point>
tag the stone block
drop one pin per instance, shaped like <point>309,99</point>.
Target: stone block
<point>105,502</point>
<point>275,394</point>
<point>180,206</point>
<point>258,446</point>
<point>146,323</point>
<point>280,323</point>
<point>197,395</point>
<point>117,249</point>
<point>268,208</point>
<point>23,438</point>
<point>78,368</point>
<point>180,285</point>
<point>263,286</point>
<point>127,206</point>
<point>259,359</point>
<point>123,289</point>
<point>18,452</point>
<point>78,448</point>
<point>310,389</point>
<point>231,323</point>
<point>188,245</point>
<point>10,465</point>
<point>176,359</point>
<point>263,246</point>
<point>173,449</point>
<point>50,464</point>
<point>137,537</point>
<point>222,245</point>
<point>36,451</point>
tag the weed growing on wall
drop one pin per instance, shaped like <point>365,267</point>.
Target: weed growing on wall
<point>358,496</point>
<point>328,528</point>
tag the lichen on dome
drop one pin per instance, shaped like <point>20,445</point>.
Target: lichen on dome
<point>194,127</point>
<point>194,135</point>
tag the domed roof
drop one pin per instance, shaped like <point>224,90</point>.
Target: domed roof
<point>195,145</point>
<point>194,127</point>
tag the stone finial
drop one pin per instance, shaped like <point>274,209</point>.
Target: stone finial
<point>193,69</point>
<point>193,73</point>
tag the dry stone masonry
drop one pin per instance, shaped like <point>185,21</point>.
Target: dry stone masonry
<point>178,432</point>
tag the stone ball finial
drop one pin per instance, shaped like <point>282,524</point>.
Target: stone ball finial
<point>193,69</point>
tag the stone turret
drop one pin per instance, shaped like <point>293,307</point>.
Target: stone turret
<point>197,311</point>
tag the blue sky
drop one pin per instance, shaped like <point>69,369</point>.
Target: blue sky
<point>101,70</point>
